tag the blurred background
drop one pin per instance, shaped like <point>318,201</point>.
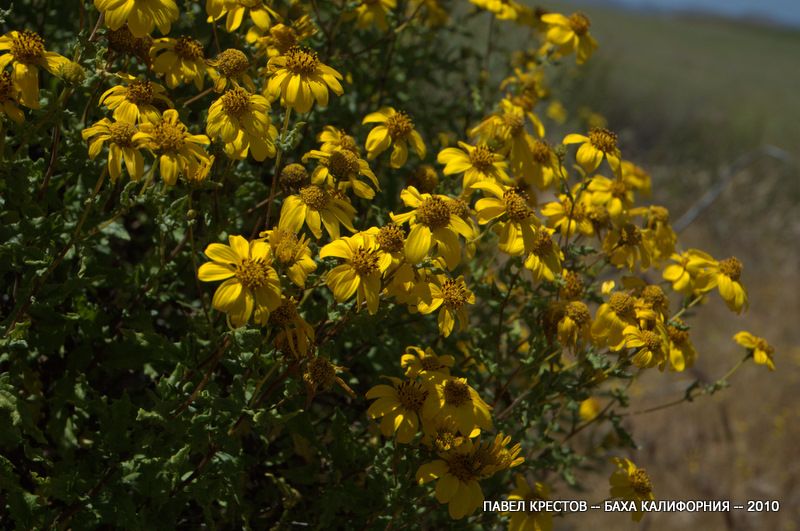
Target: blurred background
<point>705,95</point>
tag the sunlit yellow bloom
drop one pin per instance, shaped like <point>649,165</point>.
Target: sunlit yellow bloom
<point>8,99</point>
<point>636,177</point>
<point>450,296</point>
<point>544,258</point>
<point>426,363</point>
<point>453,397</point>
<point>762,351</point>
<point>361,273</point>
<point>395,129</point>
<point>251,286</point>
<point>570,34</point>
<point>292,253</point>
<point>316,207</point>
<point>294,332</point>
<point>625,246</point>
<point>511,208</point>
<point>399,406</point>
<point>25,52</point>
<point>177,150</point>
<point>651,346</point>
<point>726,277</point>
<point>477,163</point>
<point>661,239</point>
<point>235,10</point>
<point>502,9</point>
<point>600,144</point>
<point>280,38</point>
<point>301,79</point>
<point>140,15</point>
<point>122,42</point>
<point>441,433</point>
<point>333,138</point>
<point>241,120</point>
<point>373,13</point>
<point>611,320</point>
<point>121,147</point>
<point>529,520</point>
<point>692,272</point>
<point>433,225</point>
<point>230,67</point>
<point>589,409</point>
<point>530,87</point>
<point>568,216</point>
<point>198,170</point>
<point>615,195</point>
<point>629,482</point>
<point>137,102</point>
<point>681,350</point>
<point>652,304</point>
<point>574,323</point>
<point>340,168</point>
<point>180,60</point>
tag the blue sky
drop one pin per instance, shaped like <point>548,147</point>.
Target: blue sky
<point>782,11</point>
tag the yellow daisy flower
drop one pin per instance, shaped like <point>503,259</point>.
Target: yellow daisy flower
<point>600,144</point>
<point>373,13</point>
<point>625,246</point>
<point>502,9</point>
<point>426,363</point>
<point>399,406</point>
<point>762,351</point>
<point>615,195</point>
<point>294,332</point>
<point>589,409</point>
<point>544,259</point>
<point>630,482</point>
<point>568,216</point>
<point>441,433</point>
<point>292,253</point>
<point>340,169</point>
<point>612,318</point>
<point>180,60</point>
<point>361,273</point>
<point>508,128</point>
<point>198,170</point>
<point>230,67</point>
<point>529,520</point>
<point>25,52</point>
<point>726,275</point>
<point>450,296</point>
<point>424,178</point>
<point>636,177</point>
<point>121,147</point>
<point>518,224</point>
<point>8,99</point>
<point>316,206</point>
<point>396,128</point>
<point>251,286</point>
<point>433,224</point>
<point>661,238</point>
<point>241,120</point>
<point>235,11</point>
<point>178,151</point>
<point>301,79</point>
<point>333,138</point>
<point>681,350</point>
<point>652,346</point>
<point>141,16</point>
<point>477,163</point>
<point>691,272</point>
<point>453,397</point>
<point>281,37</point>
<point>574,323</point>
<point>137,102</point>
<point>570,34</point>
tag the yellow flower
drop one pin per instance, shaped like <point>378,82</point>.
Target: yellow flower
<point>180,60</point>
<point>726,278</point>
<point>661,238</point>
<point>424,178</point>
<point>629,482</point>
<point>616,196</point>
<point>340,169</point>
<point>432,224</point>
<point>527,520</point>
<point>652,346</point>
<point>611,320</point>
<point>291,253</point>
<point>636,177</point>
<point>557,112</point>
<point>301,79</point>
<point>373,13</point>
<point>425,363</point>
<point>361,273</point>
<point>502,9</point>
<point>281,37</point>
<point>8,99</point>
<point>600,144</point>
<point>399,406</point>
<point>198,170</point>
<point>295,333</point>
<point>316,206</point>
<point>570,34</point>
<point>235,10</point>
<point>140,15</point>
<point>477,163</point>
<point>241,120</point>
<point>568,216</point>
<point>122,147</point>
<point>574,323</point>
<point>333,138</point>
<point>544,258</point>
<point>230,67</point>
<point>441,433</point>
<point>450,296</point>
<point>518,224</point>
<point>625,246</point>
<point>762,351</point>
<point>137,102</point>
<point>691,273</point>
<point>396,129</point>
<point>589,409</point>
<point>453,397</point>
<point>24,50</point>
<point>251,286</point>
<point>681,351</point>
<point>176,148</point>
